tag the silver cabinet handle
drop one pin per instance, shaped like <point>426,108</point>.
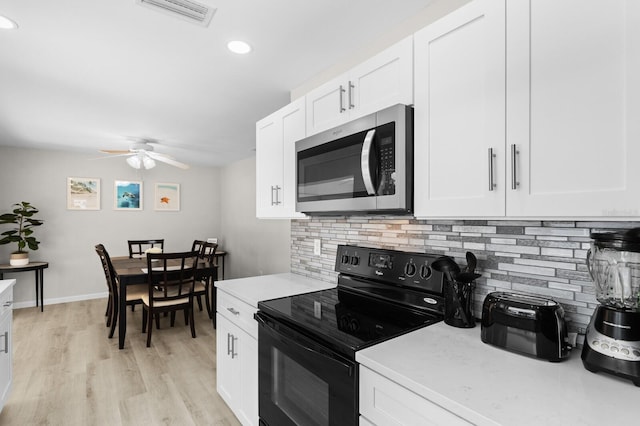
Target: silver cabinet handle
<point>277,202</point>
<point>233,347</point>
<point>350,97</point>
<point>6,342</point>
<point>229,351</point>
<point>233,311</point>
<point>341,100</point>
<point>8,303</point>
<point>492,184</point>
<point>514,162</point>
<point>364,162</point>
<point>272,195</point>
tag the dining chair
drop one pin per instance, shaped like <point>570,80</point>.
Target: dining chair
<point>197,245</point>
<point>137,247</point>
<point>134,291</point>
<point>206,278</point>
<point>171,278</point>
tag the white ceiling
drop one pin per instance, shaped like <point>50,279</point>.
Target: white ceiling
<point>81,75</point>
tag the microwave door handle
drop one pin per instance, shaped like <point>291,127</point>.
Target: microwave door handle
<point>364,162</point>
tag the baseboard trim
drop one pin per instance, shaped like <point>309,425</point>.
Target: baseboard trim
<point>32,303</point>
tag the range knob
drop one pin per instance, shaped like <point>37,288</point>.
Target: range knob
<point>425,272</point>
<point>410,269</point>
<point>354,325</point>
<point>355,260</point>
<point>344,259</point>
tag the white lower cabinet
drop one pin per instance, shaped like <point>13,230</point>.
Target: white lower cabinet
<point>364,422</point>
<point>384,402</point>
<point>6,321</point>
<point>237,358</point>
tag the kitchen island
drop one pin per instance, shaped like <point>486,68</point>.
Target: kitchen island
<point>455,374</point>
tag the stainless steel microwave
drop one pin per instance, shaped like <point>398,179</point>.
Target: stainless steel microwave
<point>361,167</point>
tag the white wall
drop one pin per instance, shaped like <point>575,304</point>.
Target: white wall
<point>68,237</point>
<point>256,246</point>
<point>388,36</point>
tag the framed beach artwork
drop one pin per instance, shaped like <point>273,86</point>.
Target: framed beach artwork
<point>127,195</point>
<point>83,193</point>
<point>167,197</point>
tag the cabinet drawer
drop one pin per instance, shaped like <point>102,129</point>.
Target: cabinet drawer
<point>238,312</point>
<point>384,402</point>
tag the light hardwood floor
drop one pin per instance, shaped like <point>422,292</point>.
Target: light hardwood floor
<point>66,371</point>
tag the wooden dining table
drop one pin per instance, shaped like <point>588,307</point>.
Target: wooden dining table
<point>130,271</point>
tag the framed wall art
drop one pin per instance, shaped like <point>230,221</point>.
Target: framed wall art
<point>167,197</point>
<point>83,193</point>
<point>127,195</point>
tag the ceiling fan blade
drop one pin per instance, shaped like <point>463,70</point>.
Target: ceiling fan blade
<point>113,156</point>
<point>115,151</point>
<point>167,159</point>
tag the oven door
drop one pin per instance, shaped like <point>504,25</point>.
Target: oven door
<point>301,382</point>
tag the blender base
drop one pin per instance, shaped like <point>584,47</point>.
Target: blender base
<point>597,362</point>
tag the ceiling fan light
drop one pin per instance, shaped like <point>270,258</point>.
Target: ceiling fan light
<point>134,161</point>
<point>7,24</point>
<point>148,162</point>
<point>238,46</point>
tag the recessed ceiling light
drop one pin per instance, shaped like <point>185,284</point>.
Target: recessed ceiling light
<point>7,24</point>
<point>239,47</point>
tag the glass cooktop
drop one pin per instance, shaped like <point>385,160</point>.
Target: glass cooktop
<point>346,320</point>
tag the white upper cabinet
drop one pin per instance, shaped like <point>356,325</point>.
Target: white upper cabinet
<point>460,113</point>
<point>573,107</point>
<point>275,161</point>
<point>384,80</point>
<point>553,90</point>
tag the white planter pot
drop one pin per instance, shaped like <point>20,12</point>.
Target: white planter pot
<point>19,259</point>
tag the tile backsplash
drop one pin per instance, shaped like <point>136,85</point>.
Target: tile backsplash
<point>546,258</point>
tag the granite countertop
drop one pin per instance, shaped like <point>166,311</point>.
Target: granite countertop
<point>255,289</point>
<point>486,385</point>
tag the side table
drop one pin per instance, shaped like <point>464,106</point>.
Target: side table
<point>39,268</point>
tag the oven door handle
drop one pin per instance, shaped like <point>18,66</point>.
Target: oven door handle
<point>364,162</point>
<point>300,343</point>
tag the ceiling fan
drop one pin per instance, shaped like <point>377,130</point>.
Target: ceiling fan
<point>141,155</point>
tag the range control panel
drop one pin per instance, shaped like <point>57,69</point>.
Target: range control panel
<point>390,266</point>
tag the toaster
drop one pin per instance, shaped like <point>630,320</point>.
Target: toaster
<point>525,324</point>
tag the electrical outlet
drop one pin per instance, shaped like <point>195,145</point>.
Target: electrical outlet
<point>317,247</point>
<point>317,310</point>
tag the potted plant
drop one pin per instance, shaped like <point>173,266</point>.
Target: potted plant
<point>22,216</point>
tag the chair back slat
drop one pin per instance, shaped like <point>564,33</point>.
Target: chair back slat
<point>137,247</point>
<point>171,276</point>
<point>197,245</point>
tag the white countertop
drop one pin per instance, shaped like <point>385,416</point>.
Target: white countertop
<point>255,289</point>
<point>4,284</point>
<point>486,385</point>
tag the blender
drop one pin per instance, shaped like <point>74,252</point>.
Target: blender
<point>612,340</point>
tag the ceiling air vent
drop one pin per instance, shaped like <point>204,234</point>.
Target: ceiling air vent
<point>191,11</point>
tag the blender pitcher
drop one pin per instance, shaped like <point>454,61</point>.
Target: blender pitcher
<point>614,265</point>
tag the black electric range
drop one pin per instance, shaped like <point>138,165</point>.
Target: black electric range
<point>307,373</point>
<point>381,294</point>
